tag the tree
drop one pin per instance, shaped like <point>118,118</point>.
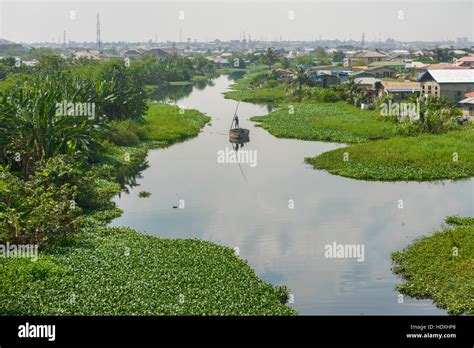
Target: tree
<point>338,56</point>
<point>305,61</point>
<point>285,62</point>
<point>270,57</point>
<point>300,78</point>
<point>321,56</point>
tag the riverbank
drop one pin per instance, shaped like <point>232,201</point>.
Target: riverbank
<point>332,122</point>
<point>118,271</point>
<point>241,90</point>
<point>439,267</point>
<point>395,155</point>
<point>422,158</point>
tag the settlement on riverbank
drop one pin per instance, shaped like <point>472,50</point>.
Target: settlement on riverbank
<point>384,149</point>
<point>438,267</point>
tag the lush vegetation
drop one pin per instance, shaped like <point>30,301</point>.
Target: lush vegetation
<point>425,157</point>
<point>336,122</point>
<point>152,71</point>
<point>116,271</point>
<point>58,174</point>
<point>440,267</point>
<point>430,145</point>
<point>246,90</point>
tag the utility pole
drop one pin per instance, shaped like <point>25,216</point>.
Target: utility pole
<point>362,41</point>
<point>99,44</point>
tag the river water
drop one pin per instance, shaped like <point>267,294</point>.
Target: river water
<point>281,213</point>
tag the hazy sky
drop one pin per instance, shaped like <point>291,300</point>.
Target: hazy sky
<point>31,21</point>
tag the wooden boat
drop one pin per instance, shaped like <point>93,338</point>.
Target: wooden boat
<point>238,134</point>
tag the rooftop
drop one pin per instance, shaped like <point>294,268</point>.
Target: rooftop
<point>466,59</point>
<point>401,86</point>
<point>370,54</point>
<point>394,63</point>
<point>469,100</point>
<point>450,75</point>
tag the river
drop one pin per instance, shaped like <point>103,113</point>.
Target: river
<point>281,213</point>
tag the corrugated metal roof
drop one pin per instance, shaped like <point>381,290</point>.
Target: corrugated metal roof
<point>366,80</point>
<point>396,86</point>
<point>466,59</point>
<point>467,101</point>
<point>451,75</point>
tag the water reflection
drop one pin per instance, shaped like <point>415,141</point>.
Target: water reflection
<point>172,93</point>
<point>286,245</point>
<point>128,179</point>
<point>236,75</point>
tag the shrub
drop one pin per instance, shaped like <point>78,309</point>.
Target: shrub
<point>93,192</point>
<point>34,213</point>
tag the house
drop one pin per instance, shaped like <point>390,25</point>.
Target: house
<point>284,75</point>
<point>132,54</point>
<point>157,53</point>
<point>87,54</point>
<point>468,108</point>
<point>451,83</point>
<point>362,73</point>
<point>326,80</point>
<point>400,90</point>
<point>418,68</point>
<point>395,65</point>
<point>368,57</point>
<point>330,77</point>
<point>367,82</point>
<point>441,66</point>
<point>370,85</point>
<point>465,61</point>
<point>381,72</point>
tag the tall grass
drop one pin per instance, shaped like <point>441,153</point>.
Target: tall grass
<point>335,122</point>
<point>422,158</point>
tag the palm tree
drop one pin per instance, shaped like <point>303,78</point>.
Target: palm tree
<point>270,57</point>
<point>300,78</point>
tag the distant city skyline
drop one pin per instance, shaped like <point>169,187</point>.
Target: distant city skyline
<point>46,21</point>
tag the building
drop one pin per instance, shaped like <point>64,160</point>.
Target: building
<point>284,75</point>
<point>86,54</point>
<point>395,65</point>
<point>368,57</point>
<point>327,78</point>
<point>132,54</point>
<point>451,83</point>
<point>157,53</point>
<point>400,90</point>
<point>465,61</point>
<point>380,72</point>
<point>468,108</point>
<point>370,85</point>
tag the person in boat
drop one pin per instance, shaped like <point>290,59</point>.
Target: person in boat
<point>236,120</point>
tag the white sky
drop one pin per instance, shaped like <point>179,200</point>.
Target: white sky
<point>32,21</point>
